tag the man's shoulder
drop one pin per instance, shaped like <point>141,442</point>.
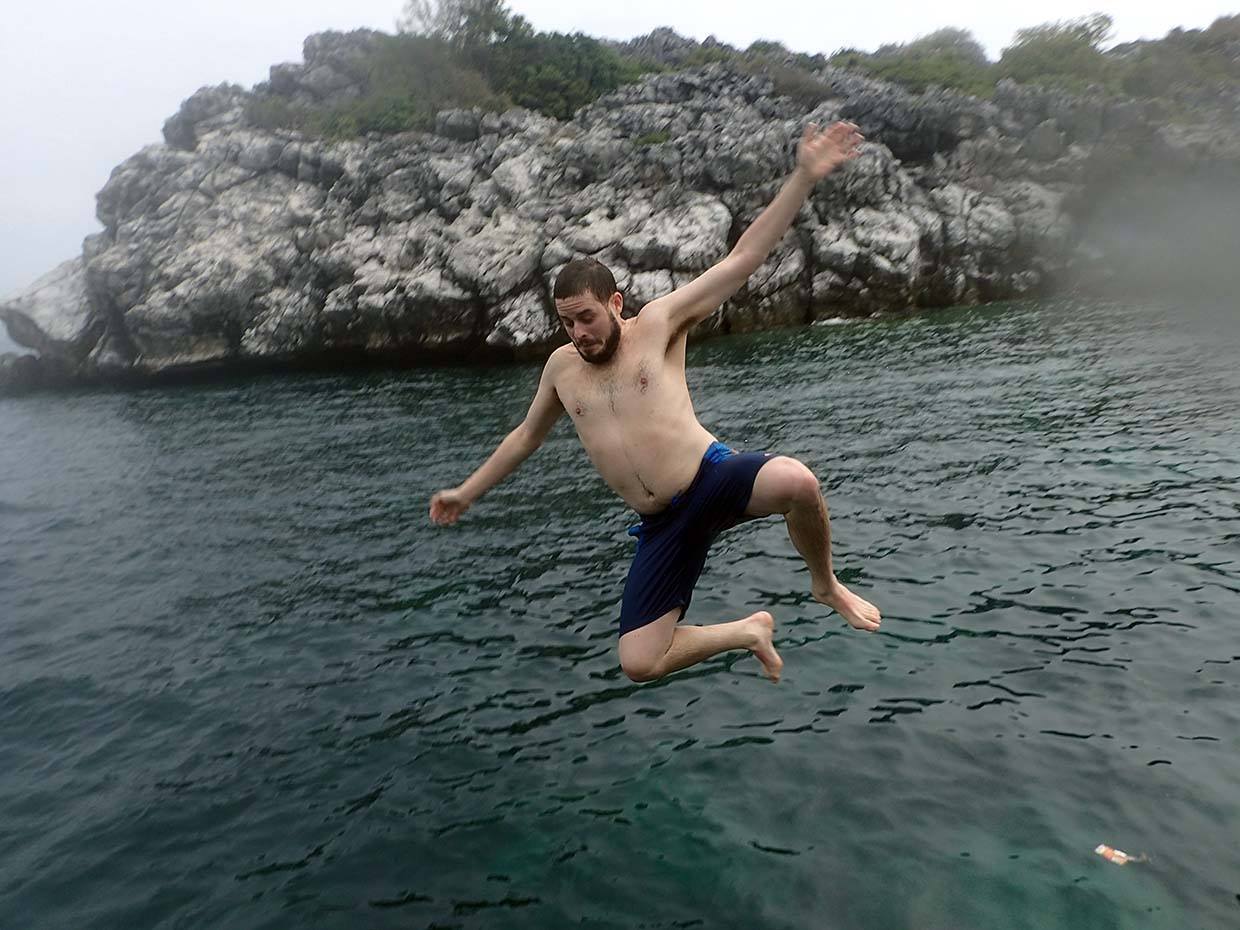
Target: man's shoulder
<point>561,355</point>
<point>652,326</point>
<point>560,360</point>
<point>654,313</point>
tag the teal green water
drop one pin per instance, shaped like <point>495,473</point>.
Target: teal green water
<point>244,683</point>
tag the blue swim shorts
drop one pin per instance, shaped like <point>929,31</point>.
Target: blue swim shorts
<point>672,544</point>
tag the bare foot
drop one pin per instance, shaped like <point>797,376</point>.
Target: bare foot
<point>860,613</point>
<point>763,625</point>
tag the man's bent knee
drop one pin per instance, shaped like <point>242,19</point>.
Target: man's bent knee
<point>638,660</point>
<point>642,650</point>
<point>797,484</point>
<point>639,670</point>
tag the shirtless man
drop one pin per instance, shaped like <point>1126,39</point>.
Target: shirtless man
<point>623,383</point>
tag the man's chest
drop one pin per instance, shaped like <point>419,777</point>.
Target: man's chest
<point>625,388</point>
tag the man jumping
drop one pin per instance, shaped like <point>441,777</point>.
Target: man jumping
<point>623,383</point>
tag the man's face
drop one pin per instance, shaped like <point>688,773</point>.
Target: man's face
<point>593,326</point>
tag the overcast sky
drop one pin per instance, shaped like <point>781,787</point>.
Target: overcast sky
<point>83,85</point>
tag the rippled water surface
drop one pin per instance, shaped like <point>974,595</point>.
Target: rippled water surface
<point>244,683</point>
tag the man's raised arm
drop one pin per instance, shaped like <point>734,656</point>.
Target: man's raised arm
<point>448,505</point>
<point>818,154</point>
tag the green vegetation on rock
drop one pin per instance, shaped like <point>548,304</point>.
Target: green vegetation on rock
<point>946,58</point>
<point>653,138</point>
<point>477,53</point>
<point>1066,55</point>
<point>467,53</point>
<point>406,81</point>
<point>555,73</point>
<point>1186,66</point>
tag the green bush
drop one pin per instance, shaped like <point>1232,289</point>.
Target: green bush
<point>799,85</point>
<point>274,113</point>
<point>425,68</point>
<point>1184,61</point>
<point>958,43</point>
<point>768,48</point>
<point>1063,54</point>
<point>944,69</point>
<point>1224,29</point>
<point>407,80</point>
<point>949,58</point>
<point>700,56</point>
<point>555,73</point>
<point>476,53</point>
<point>466,25</point>
<point>653,138</point>
<point>1182,66</point>
<point>851,58</point>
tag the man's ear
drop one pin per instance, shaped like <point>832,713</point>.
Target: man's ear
<point>616,303</point>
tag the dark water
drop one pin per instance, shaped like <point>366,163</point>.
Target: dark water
<point>244,683</point>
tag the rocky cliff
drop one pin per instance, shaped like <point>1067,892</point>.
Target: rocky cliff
<point>230,247</point>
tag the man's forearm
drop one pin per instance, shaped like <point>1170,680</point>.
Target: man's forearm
<point>763,234</point>
<point>515,449</point>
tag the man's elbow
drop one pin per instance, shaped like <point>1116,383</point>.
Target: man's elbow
<point>527,439</point>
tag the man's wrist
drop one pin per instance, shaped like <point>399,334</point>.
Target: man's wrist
<point>801,175</point>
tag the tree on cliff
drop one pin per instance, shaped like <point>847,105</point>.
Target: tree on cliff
<point>466,25</point>
<point>1068,54</point>
<point>947,57</point>
<point>545,71</point>
<point>959,43</point>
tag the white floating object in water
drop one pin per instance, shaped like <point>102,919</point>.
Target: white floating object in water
<point>1119,857</point>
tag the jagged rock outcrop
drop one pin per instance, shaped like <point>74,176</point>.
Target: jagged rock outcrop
<point>229,245</point>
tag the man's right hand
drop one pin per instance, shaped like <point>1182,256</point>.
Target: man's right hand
<point>448,505</point>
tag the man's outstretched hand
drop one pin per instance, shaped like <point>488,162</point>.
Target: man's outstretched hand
<point>822,151</point>
<point>447,506</point>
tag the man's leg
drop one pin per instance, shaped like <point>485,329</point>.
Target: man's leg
<point>663,647</point>
<point>787,487</point>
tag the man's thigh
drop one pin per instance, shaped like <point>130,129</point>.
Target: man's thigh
<point>778,485</point>
<point>647,644</point>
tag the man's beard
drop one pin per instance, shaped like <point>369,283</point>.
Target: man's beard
<point>603,353</point>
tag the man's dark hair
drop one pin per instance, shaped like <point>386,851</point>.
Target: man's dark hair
<point>584,276</point>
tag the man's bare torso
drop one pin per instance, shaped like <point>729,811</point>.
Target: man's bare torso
<point>634,415</point>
